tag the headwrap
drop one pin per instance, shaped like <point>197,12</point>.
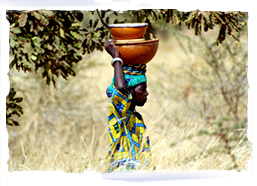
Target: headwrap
<point>133,75</point>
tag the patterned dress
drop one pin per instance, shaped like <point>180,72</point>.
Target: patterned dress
<point>129,148</point>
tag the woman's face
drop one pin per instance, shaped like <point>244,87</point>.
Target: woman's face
<point>141,94</point>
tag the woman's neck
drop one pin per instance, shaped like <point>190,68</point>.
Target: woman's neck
<point>132,107</point>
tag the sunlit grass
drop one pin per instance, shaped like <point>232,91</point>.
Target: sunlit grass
<point>65,128</point>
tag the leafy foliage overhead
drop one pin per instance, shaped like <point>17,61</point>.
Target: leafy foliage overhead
<point>228,22</point>
<point>53,41</point>
<point>45,39</point>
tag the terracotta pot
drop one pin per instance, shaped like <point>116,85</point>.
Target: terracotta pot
<point>137,51</point>
<point>128,30</point>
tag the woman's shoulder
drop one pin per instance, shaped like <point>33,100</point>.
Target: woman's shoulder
<point>124,95</point>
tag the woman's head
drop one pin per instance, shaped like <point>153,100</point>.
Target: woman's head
<point>139,94</point>
<point>133,75</point>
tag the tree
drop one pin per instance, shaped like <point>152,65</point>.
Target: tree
<point>51,42</point>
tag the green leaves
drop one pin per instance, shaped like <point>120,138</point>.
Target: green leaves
<point>51,42</point>
<point>222,34</point>
<point>45,39</point>
<point>62,33</point>
<point>45,35</point>
<point>95,34</point>
<point>16,30</point>
<point>202,132</point>
<point>23,19</point>
<point>229,23</point>
<point>199,21</point>
<point>75,34</point>
<point>13,108</point>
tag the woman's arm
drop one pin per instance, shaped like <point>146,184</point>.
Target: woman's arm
<point>118,72</point>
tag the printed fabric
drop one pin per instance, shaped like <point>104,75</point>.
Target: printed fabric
<point>129,147</point>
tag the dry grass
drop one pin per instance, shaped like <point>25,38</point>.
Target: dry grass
<point>65,128</point>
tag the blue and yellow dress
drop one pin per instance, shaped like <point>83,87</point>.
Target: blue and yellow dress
<point>129,148</point>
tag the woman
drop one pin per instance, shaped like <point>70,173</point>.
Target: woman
<point>129,147</point>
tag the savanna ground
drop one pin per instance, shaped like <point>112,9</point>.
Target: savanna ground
<point>190,123</point>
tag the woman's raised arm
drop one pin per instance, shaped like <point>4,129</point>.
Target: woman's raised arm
<point>117,64</point>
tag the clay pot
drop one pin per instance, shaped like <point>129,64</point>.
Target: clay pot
<point>137,51</point>
<point>128,30</point>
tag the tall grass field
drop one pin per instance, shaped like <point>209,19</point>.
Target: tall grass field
<point>196,113</point>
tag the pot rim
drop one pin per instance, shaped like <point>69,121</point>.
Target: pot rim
<point>127,25</point>
<point>135,41</point>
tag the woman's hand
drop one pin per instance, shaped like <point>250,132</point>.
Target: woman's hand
<point>111,48</point>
